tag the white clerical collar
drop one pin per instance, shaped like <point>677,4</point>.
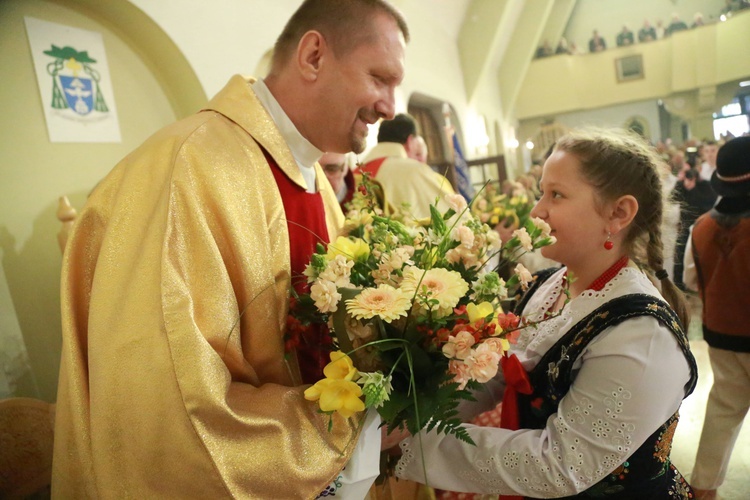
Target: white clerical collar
<point>304,153</point>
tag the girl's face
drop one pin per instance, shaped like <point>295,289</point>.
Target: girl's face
<point>569,206</point>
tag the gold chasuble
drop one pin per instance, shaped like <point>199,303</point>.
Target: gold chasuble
<point>173,382</point>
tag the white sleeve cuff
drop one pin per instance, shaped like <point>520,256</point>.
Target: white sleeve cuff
<point>363,468</point>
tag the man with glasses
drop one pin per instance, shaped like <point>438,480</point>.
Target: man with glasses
<point>337,168</point>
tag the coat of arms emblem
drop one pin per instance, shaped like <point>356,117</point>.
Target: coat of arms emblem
<point>75,82</point>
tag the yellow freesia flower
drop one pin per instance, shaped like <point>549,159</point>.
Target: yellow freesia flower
<point>342,396</point>
<point>351,248</point>
<point>429,257</point>
<point>338,391</point>
<point>341,367</point>
<point>505,344</point>
<point>480,311</point>
<point>519,200</point>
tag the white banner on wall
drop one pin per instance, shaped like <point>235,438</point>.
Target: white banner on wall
<point>74,83</point>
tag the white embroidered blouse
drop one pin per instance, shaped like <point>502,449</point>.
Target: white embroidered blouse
<point>630,380</point>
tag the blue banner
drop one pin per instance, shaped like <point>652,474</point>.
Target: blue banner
<point>463,179</point>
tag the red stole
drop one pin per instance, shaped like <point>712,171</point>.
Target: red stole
<point>350,184</point>
<point>372,167</point>
<point>306,223</point>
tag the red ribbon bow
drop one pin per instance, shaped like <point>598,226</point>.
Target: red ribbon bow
<point>516,381</point>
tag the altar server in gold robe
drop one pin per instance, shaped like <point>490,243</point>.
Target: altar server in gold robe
<point>176,380</point>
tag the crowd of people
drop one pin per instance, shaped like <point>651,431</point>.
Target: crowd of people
<point>646,33</point>
<point>712,184</point>
<point>177,378</point>
<point>691,166</point>
<point>717,258</point>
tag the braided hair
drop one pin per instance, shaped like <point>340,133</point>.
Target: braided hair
<point>618,163</point>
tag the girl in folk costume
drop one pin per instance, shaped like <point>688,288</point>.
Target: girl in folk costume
<point>592,394</point>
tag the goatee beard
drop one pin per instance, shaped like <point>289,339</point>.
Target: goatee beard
<point>358,145</point>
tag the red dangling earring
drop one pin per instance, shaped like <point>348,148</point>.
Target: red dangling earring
<point>608,244</point>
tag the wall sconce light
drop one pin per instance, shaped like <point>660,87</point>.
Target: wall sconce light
<point>529,144</point>
<point>513,143</point>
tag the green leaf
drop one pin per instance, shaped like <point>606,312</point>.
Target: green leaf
<point>438,225</point>
<point>339,318</point>
<point>543,242</point>
<point>397,403</point>
<point>69,53</point>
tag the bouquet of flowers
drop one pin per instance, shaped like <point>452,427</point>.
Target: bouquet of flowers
<point>511,207</point>
<point>416,315</point>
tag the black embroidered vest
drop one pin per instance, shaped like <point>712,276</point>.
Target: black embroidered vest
<point>648,472</point>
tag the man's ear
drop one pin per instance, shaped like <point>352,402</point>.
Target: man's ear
<point>311,51</point>
<point>622,212</point>
<point>410,144</point>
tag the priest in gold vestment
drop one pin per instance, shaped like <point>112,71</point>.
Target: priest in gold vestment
<point>174,379</point>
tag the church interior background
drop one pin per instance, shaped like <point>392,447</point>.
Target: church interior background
<point>472,60</point>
